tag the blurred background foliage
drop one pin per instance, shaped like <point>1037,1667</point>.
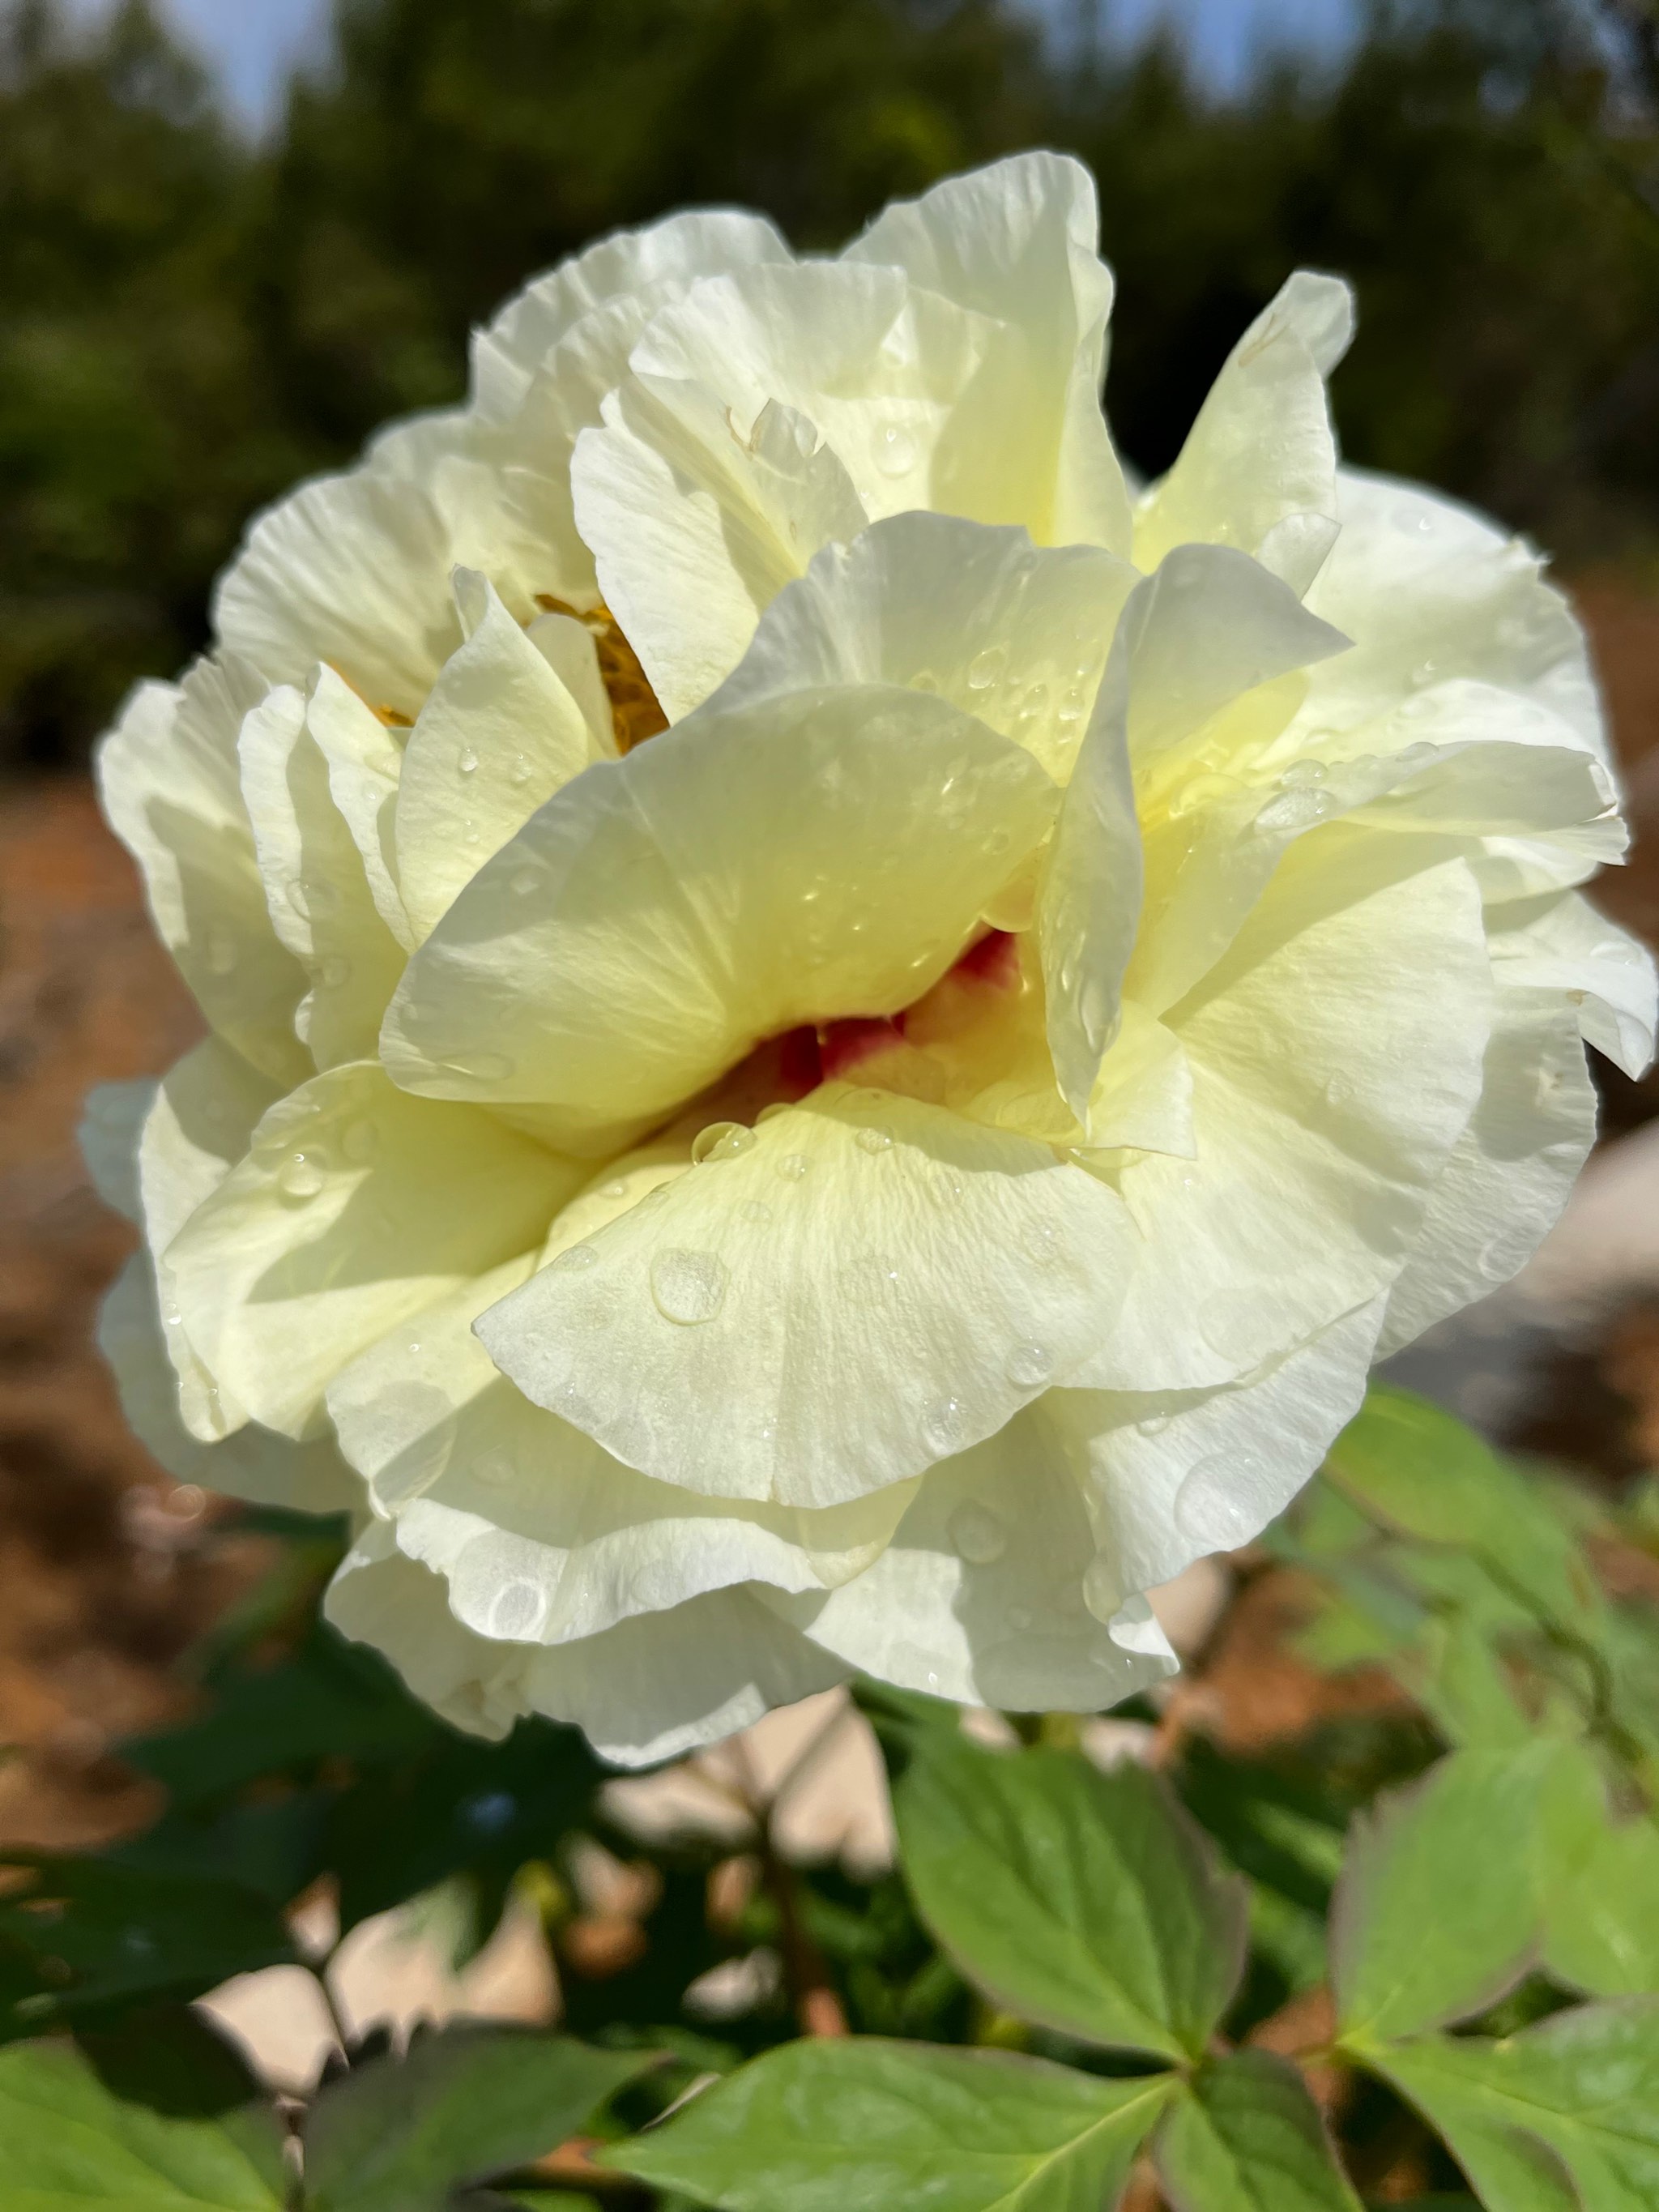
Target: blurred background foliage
<point>192,319</point>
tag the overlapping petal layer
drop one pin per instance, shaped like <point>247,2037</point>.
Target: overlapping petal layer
<point>832,1049</point>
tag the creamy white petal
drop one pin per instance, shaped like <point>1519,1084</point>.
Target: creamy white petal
<point>1431,591</point>
<point>500,734</point>
<point>251,1464</point>
<point>316,886</point>
<point>650,1689</point>
<point>871,1285</point>
<point>168,778</point>
<point>355,1207</point>
<point>647,266</point>
<point>1511,1171</point>
<point>824,856</point>
<point>1018,241</point>
<point>1169,1477</point>
<point>200,1122</point>
<point>1014,634</point>
<point>1258,469</point>
<point>696,525</point>
<point>540,1533</point>
<point>1562,943</point>
<point>980,1595</point>
<point>353,570</point>
<point>1329,1086</point>
<point>364,769</point>
<point>1210,627</point>
<point>111,1124</point>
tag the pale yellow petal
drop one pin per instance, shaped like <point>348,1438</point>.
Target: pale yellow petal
<point>872,1283</point>
<point>822,856</point>
<point>355,1207</point>
<point>1560,943</point>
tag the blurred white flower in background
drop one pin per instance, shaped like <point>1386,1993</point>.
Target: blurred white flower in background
<point>834,1045</point>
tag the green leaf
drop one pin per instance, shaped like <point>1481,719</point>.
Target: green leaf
<point>1601,1914</point>
<point>68,2145</point>
<point>1435,1914</point>
<point>400,2135</point>
<point>1578,2094</point>
<point>1417,1469</point>
<point>87,1934</point>
<point>330,1700</point>
<point>871,2126</point>
<point>1245,2136</point>
<point>173,2058</point>
<point>1086,1902</point>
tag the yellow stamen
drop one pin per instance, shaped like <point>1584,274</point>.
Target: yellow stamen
<point>635,714</point>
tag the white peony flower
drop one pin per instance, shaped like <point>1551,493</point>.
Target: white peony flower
<point>833,1045</point>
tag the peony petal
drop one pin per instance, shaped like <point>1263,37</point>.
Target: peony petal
<point>1009,632</point>
<point>1018,241</point>
<point>1168,1478</point>
<point>875,363</point>
<point>168,778</point>
<point>1511,1171</point>
<point>316,885</point>
<point>695,528</point>
<point>979,1596</point>
<point>1336,1058</point>
<point>649,1689</point>
<point>1562,943</point>
<point>1258,469</point>
<point>824,856</point>
<point>1431,592</point>
<point>364,767</point>
<point>355,1207</point>
<point>500,734</point>
<point>108,1136</point>
<point>533,1524</point>
<point>200,1122</point>
<point>1211,628</point>
<point>251,1464</point>
<point>353,570</point>
<point>646,266</point>
<point>874,1282</point>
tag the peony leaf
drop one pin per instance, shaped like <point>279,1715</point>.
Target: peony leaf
<point>1580,2092</point>
<point>872,2126</point>
<point>400,2135</point>
<point>1246,2136</point>
<point>1084,1901</point>
<point>1436,1915</point>
<point>1418,1470</point>
<point>68,2145</point>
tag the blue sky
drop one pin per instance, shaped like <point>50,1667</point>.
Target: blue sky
<point>253,43</point>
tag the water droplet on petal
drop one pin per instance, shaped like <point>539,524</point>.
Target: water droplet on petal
<point>1101,1591</point>
<point>299,898</point>
<point>523,881</point>
<point>896,451</point>
<point>616,1188</point>
<point>948,1187</point>
<point>944,1426</point>
<point>877,1137</point>
<point>517,1612</point>
<point>1213,1505</point>
<point>721,1140</point>
<point>520,772</point>
<point>495,1468</point>
<point>575,1259</point>
<point>466,761</point>
<point>985,668</point>
<point>301,1176</point>
<point>978,1534</point>
<point>688,1287</point>
<point>334,972</point>
<point>1043,1242</point>
<point>755,1209</point>
<point>1154,1425</point>
<point>998,840</point>
<point>1029,1366</point>
<point>793,1166</point>
<point>1339,1091</point>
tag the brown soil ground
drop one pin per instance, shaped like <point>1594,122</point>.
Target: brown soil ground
<point>106,1572</point>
